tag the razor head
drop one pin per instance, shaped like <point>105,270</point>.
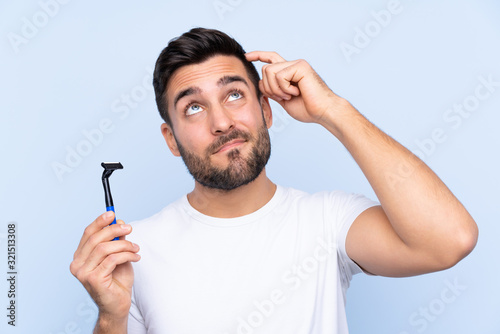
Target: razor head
<point>109,167</point>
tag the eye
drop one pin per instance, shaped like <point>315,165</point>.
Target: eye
<point>192,109</point>
<point>235,95</point>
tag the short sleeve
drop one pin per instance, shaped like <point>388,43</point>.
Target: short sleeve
<point>345,208</point>
<point>135,320</point>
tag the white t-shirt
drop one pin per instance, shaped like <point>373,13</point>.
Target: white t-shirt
<point>280,269</point>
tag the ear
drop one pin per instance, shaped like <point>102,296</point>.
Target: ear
<point>168,134</point>
<point>266,111</point>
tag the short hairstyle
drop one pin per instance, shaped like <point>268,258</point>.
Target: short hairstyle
<point>194,47</point>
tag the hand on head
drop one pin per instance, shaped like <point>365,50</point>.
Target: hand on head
<point>295,86</point>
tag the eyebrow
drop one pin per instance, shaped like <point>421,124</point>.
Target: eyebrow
<point>227,79</point>
<point>186,92</point>
<point>224,81</point>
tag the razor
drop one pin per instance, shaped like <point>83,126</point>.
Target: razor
<point>109,168</point>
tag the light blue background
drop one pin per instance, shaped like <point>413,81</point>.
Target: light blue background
<point>73,73</point>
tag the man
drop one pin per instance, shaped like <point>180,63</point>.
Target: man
<point>240,254</point>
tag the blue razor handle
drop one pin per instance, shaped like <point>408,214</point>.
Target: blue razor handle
<point>112,208</point>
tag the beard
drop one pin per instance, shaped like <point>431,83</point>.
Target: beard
<point>240,170</point>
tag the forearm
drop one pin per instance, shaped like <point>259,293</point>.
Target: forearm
<point>110,325</point>
<point>422,210</point>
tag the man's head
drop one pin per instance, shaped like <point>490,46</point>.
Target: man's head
<point>215,116</point>
<point>194,47</point>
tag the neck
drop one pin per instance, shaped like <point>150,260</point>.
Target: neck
<point>233,203</point>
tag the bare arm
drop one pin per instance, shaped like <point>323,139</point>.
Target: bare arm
<point>420,226</point>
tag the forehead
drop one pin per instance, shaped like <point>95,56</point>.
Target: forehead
<point>207,72</point>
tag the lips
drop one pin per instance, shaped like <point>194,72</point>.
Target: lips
<point>230,144</point>
<point>226,142</point>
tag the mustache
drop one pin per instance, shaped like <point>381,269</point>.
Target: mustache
<point>223,140</point>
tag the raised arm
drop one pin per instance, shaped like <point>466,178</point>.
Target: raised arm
<point>420,226</point>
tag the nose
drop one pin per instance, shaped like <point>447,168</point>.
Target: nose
<point>221,120</point>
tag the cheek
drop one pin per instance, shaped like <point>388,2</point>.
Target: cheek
<point>194,139</point>
<point>251,117</point>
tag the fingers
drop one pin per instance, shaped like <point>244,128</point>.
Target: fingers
<point>102,265</point>
<point>269,85</point>
<point>102,221</point>
<point>96,233</point>
<point>280,78</point>
<point>109,264</point>
<point>279,81</point>
<point>121,222</point>
<point>264,56</point>
<point>103,234</point>
<point>104,250</point>
<point>106,256</point>
<point>289,77</point>
<point>99,253</point>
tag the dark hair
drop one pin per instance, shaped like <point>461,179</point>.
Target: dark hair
<point>194,47</point>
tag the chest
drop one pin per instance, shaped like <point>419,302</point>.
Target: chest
<point>225,280</point>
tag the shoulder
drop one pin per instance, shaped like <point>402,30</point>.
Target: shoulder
<point>335,208</point>
<point>331,198</point>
